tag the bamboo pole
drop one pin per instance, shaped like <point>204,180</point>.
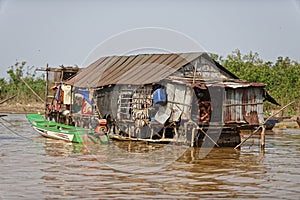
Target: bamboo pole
<point>279,111</point>
<point>5,100</point>
<point>208,137</point>
<point>262,126</point>
<point>262,137</point>
<point>195,70</point>
<point>46,92</point>
<point>240,144</point>
<point>192,139</point>
<point>32,90</point>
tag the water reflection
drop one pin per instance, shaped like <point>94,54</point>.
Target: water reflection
<point>40,168</point>
<point>224,173</point>
<point>219,174</point>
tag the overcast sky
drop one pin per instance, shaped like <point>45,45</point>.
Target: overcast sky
<point>67,31</point>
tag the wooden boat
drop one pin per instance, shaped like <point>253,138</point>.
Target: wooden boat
<point>271,123</point>
<point>298,121</point>
<point>64,132</point>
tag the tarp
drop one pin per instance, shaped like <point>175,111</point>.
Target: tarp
<point>178,104</point>
<point>85,94</point>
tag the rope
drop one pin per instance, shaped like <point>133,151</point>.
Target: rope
<point>14,132</point>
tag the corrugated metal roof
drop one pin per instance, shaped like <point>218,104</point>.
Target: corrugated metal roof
<point>135,70</point>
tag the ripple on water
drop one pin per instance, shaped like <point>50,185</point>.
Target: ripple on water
<point>39,168</point>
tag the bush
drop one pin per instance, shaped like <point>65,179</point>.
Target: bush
<point>16,85</point>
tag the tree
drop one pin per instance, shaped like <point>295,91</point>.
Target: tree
<point>16,85</point>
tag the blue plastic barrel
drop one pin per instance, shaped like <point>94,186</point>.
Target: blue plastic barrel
<point>159,96</point>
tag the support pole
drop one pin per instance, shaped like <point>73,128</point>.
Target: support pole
<point>192,139</point>
<point>9,98</point>
<point>195,70</point>
<point>176,133</point>
<point>279,110</point>
<point>237,146</point>
<point>263,128</point>
<point>262,139</point>
<point>209,137</point>
<point>46,92</point>
<point>32,90</point>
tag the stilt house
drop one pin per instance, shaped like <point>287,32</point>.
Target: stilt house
<point>162,97</point>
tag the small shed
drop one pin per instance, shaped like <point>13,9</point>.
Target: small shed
<point>162,97</point>
<point>58,95</point>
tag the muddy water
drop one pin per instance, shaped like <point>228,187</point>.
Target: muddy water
<point>33,167</point>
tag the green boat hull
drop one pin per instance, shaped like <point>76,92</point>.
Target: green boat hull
<point>64,132</point>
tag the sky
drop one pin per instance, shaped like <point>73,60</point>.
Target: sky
<point>77,32</point>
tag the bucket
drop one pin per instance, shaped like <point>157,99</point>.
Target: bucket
<point>102,121</point>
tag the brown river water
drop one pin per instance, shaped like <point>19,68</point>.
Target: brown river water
<point>33,167</point>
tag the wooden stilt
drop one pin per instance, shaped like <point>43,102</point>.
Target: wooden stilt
<point>263,128</point>
<point>208,137</point>
<point>176,133</point>
<point>46,91</point>
<point>152,131</point>
<point>242,142</point>
<point>262,140</point>
<point>164,133</point>
<point>193,135</point>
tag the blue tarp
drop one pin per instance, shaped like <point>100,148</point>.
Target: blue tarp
<point>86,95</point>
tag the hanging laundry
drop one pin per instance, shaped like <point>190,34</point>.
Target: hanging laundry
<point>67,94</point>
<point>56,105</point>
<point>59,94</point>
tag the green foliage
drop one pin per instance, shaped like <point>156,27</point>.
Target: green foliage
<point>16,84</point>
<point>282,77</point>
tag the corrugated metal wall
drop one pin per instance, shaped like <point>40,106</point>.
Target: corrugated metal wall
<point>244,105</point>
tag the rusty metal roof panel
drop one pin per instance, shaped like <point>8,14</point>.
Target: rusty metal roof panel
<point>121,65</point>
<point>136,73</point>
<point>237,84</point>
<point>136,69</point>
<point>101,71</point>
<point>78,79</point>
<point>147,70</point>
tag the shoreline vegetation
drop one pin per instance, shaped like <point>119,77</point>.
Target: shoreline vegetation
<point>22,108</point>
<point>281,79</point>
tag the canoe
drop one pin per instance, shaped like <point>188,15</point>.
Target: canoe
<point>65,132</point>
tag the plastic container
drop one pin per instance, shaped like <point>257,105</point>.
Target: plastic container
<point>102,121</point>
<point>159,96</point>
